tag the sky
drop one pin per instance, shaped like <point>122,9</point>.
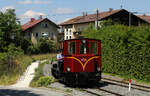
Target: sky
<point>60,10</point>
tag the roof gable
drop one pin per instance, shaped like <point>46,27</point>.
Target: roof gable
<point>90,18</point>
<point>101,16</point>
<point>31,24</point>
<point>144,17</point>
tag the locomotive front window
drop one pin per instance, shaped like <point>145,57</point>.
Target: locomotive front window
<point>83,47</point>
<point>71,48</point>
<point>93,48</point>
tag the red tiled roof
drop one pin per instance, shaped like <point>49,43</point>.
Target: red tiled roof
<point>144,17</point>
<point>30,24</point>
<point>90,18</point>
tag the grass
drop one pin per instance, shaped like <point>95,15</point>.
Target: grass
<point>38,74</point>
<point>11,76</point>
<point>21,63</point>
<point>44,56</point>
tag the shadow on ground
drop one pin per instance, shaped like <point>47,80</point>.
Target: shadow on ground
<point>13,92</point>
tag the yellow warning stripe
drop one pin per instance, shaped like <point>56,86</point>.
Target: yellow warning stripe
<point>83,65</point>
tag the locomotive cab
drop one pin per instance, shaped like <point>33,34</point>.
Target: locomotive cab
<point>82,61</point>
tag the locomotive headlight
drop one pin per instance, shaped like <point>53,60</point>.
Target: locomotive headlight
<point>68,69</point>
<point>98,69</point>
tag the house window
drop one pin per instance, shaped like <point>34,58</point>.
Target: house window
<point>36,34</point>
<point>29,34</point>
<point>79,29</point>
<point>67,30</point>
<point>67,33</point>
<point>66,37</point>
<point>53,35</point>
<point>70,37</point>
<point>70,32</point>
<point>44,25</point>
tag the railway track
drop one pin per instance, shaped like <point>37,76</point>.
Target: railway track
<point>102,90</point>
<point>125,84</point>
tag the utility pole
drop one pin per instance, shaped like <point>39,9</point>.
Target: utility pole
<point>121,5</point>
<point>97,19</point>
<point>129,18</point>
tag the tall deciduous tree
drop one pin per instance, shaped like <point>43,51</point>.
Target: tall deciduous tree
<point>10,29</point>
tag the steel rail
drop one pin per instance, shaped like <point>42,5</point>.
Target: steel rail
<point>139,87</point>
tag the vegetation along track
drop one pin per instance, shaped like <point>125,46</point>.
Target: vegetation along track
<point>125,84</point>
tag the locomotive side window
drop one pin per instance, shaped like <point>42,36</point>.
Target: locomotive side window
<point>83,47</point>
<point>71,48</point>
<point>93,48</point>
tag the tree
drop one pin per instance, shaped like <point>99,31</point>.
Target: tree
<point>10,29</point>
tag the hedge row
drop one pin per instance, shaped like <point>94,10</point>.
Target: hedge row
<point>125,50</point>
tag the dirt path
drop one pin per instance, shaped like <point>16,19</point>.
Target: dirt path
<point>25,80</point>
<point>21,88</point>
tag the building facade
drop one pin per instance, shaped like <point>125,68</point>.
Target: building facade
<point>74,27</point>
<point>35,29</point>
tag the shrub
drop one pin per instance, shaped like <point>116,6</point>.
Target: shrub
<point>45,81</point>
<point>46,46</point>
<point>43,46</point>
<point>33,49</point>
<point>125,50</point>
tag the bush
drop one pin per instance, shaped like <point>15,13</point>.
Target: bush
<point>43,46</point>
<point>46,46</point>
<point>45,81</point>
<point>33,49</point>
<point>25,45</point>
<point>125,50</point>
<point>14,51</point>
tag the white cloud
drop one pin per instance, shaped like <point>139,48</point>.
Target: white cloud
<point>6,8</point>
<point>31,14</point>
<point>35,2</point>
<point>41,2</point>
<point>63,11</point>
<point>25,2</point>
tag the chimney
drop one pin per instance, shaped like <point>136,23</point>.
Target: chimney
<point>86,14</point>
<point>32,19</point>
<point>40,17</point>
<point>110,9</point>
<point>83,14</point>
<point>144,14</point>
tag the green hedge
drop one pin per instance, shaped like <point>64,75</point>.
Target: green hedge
<point>125,50</point>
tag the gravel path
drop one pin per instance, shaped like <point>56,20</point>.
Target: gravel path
<point>21,88</point>
<point>27,77</point>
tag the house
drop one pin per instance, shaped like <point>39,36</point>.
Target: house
<point>71,28</point>
<point>34,29</point>
<point>145,17</point>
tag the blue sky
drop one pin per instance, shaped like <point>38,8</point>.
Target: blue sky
<point>60,10</point>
